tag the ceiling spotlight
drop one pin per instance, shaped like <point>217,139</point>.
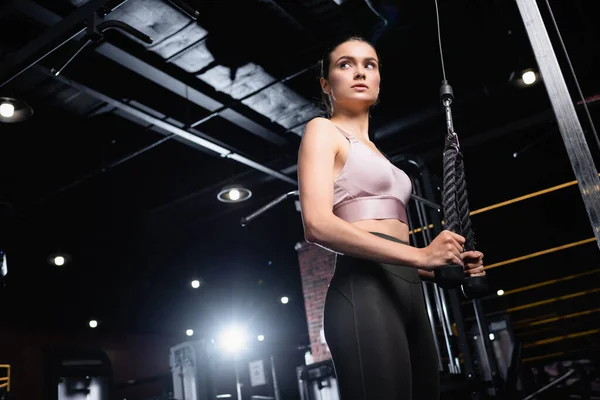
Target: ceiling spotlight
<point>189,332</point>
<point>524,78</point>
<point>285,300</point>
<point>7,110</point>
<point>196,284</point>
<point>500,292</point>
<point>59,259</point>
<point>14,110</point>
<point>529,77</point>
<point>261,338</point>
<point>93,323</point>
<point>234,194</point>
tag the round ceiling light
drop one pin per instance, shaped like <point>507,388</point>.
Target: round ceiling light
<point>14,110</point>
<point>234,194</point>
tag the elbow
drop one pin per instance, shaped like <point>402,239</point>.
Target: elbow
<point>310,235</point>
<point>315,232</point>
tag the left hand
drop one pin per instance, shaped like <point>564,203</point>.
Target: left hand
<point>473,262</point>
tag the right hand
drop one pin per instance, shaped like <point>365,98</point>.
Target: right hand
<point>444,250</point>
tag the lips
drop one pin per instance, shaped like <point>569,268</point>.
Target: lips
<point>362,85</point>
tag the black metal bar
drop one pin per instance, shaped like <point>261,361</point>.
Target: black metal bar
<point>14,66</point>
<point>93,36</point>
<point>185,8</point>
<point>428,305</point>
<point>487,345</point>
<point>240,100</point>
<point>550,385</point>
<point>122,26</point>
<point>455,304</point>
<point>463,343</point>
<point>426,202</point>
<point>246,220</point>
<point>453,368</point>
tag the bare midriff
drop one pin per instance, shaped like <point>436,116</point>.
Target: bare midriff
<point>390,227</point>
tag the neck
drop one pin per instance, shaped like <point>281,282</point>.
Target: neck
<point>352,122</point>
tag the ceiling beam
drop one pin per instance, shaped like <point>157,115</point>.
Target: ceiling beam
<point>60,30</point>
<point>153,74</point>
<point>174,130</point>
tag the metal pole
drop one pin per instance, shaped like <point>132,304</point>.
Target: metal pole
<point>181,375</point>
<point>429,308</point>
<point>246,220</point>
<point>551,384</point>
<point>428,238</point>
<point>487,345</point>
<point>463,337</point>
<point>275,385</point>
<point>237,379</point>
<point>439,301</point>
<point>564,110</point>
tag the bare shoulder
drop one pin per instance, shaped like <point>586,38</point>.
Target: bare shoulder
<point>320,130</point>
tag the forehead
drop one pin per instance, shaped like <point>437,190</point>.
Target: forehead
<point>354,49</point>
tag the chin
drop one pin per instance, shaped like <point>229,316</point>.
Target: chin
<point>357,102</point>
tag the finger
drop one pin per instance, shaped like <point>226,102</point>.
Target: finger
<point>456,260</point>
<point>475,271</point>
<point>470,255</point>
<point>460,239</point>
<point>456,248</point>
<point>479,274</point>
<point>471,265</point>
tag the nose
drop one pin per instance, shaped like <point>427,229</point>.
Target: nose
<point>359,74</point>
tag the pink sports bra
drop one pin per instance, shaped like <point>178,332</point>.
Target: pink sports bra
<point>370,186</point>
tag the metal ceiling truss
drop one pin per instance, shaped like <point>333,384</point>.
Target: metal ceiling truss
<point>43,16</point>
<point>193,136</point>
<point>173,130</point>
<point>49,41</point>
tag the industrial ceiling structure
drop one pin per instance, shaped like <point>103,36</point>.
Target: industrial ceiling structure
<point>143,110</point>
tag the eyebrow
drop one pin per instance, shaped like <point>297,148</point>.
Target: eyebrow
<point>353,59</point>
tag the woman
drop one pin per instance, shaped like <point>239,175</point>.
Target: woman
<point>353,203</point>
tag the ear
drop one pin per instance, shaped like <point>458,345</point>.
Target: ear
<point>325,86</point>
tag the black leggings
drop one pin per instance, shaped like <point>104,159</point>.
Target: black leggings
<point>378,332</point>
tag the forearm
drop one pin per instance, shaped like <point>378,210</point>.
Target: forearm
<point>340,236</point>
<point>428,276</point>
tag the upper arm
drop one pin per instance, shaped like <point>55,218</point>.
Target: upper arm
<point>316,159</point>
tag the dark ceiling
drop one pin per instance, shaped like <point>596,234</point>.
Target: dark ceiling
<point>104,171</point>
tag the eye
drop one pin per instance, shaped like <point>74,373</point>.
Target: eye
<point>344,64</point>
<point>371,65</point>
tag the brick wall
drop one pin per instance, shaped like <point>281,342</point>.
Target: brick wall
<point>316,269</point>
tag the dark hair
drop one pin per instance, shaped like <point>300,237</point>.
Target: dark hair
<point>325,63</point>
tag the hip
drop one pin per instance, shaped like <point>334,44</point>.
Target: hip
<point>359,267</point>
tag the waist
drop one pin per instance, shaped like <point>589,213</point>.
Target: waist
<point>350,265</point>
<point>389,237</point>
<point>371,208</point>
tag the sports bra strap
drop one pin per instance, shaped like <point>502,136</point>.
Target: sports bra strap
<point>346,134</point>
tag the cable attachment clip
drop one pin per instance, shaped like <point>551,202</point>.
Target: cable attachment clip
<point>447,97</point>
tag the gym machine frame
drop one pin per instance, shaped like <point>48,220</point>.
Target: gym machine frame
<point>569,125</point>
